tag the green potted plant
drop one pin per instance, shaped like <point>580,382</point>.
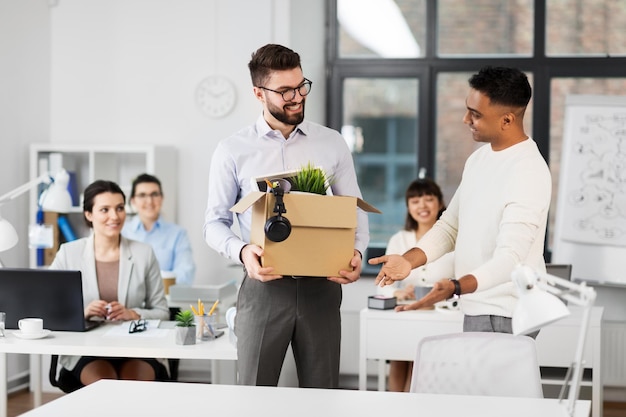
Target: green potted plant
<point>311,179</point>
<point>185,328</point>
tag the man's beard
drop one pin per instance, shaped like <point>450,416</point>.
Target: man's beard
<point>280,115</point>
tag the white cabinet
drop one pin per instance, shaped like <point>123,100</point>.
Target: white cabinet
<point>118,163</point>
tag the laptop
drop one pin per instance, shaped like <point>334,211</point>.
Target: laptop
<point>54,295</point>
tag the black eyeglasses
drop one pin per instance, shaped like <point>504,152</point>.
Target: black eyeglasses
<point>137,326</point>
<point>290,93</point>
<point>143,196</point>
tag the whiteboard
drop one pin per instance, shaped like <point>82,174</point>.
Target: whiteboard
<point>590,225</point>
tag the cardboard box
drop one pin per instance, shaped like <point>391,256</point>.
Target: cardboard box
<point>323,229</point>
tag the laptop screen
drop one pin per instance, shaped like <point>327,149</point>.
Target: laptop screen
<point>55,296</point>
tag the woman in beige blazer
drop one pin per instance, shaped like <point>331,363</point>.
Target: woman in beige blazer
<point>121,282</point>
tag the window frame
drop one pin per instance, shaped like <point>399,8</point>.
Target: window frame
<point>427,68</point>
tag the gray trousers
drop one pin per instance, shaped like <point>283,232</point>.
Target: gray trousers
<point>303,312</point>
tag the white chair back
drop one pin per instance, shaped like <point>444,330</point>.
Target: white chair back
<point>477,363</point>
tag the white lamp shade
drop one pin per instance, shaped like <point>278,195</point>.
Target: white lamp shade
<point>56,197</point>
<point>536,309</point>
<point>8,235</point>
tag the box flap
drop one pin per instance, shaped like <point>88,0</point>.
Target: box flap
<point>248,200</point>
<point>365,206</point>
<point>307,199</point>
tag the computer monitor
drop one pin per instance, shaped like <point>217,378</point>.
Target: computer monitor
<point>372,252</point>
<point>560,270</point>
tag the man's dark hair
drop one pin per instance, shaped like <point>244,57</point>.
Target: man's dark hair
<point>504,86</point>
<point>143,178</point>
<point>268,58</point>
<point>96,188</point>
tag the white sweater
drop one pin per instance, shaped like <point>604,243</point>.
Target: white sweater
<point>496,220</point>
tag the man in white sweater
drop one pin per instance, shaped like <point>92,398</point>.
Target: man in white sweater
<point>496,219</point>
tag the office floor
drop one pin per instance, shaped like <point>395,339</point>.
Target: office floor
<point>22,401</point>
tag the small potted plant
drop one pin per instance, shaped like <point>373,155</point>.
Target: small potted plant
<point>185,328</point>
<point>311,179</point>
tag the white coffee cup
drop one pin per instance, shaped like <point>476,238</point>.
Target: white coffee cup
<point>31,325</point>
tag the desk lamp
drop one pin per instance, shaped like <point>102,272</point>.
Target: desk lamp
<point>540,304</point>
<point>54,198</point>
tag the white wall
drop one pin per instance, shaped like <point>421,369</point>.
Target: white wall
<point>125,71</point>
<point>24,116</point>
<point>24,108</point>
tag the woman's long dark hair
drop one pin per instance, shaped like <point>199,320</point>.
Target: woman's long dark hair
<point>418,188</point>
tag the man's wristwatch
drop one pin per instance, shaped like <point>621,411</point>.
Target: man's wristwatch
<point>457,287</point>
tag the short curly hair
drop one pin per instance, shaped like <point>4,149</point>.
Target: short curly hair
<point>503,85</point>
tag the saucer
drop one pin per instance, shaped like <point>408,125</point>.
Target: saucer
<point>41,335</point>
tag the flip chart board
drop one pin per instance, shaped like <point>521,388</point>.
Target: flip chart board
<point>590,226</point>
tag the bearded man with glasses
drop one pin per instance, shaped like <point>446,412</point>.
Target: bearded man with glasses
<point>274,311</point>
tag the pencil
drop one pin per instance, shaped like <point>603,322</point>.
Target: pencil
<point>194,310</point>
<point>213,307</point>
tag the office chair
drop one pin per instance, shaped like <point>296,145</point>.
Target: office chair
<point>477,363</point>
<point>67,382</point>
<point>63,379</point>
<point>173,363</point>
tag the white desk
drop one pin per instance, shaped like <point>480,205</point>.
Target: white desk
<point>96,343</point>
<point>386,334</point>
<point>108,398</point>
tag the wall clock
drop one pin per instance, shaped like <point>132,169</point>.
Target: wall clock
<point>216,96</point>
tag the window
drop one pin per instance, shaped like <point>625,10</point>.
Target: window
<point>594,28</point>
<point>381,29</point>
<point>485,28</point>
<point>454,144</point>
<point>382,98</point>
<point>380,125</point>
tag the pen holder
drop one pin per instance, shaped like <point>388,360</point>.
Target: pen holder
<point>205,327</point>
